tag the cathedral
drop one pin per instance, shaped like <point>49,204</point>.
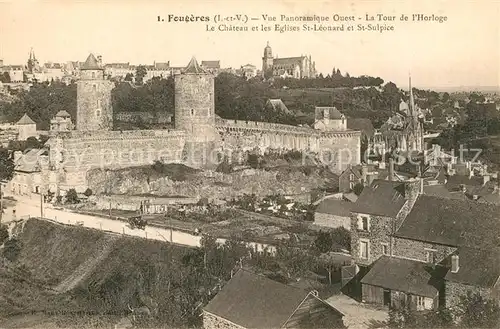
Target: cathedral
<point>289,67</point>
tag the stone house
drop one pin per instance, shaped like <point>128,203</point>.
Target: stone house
<point>253,301</point>
<point>352,176</point>
<point>436,249</point>
<point>375,216</point>
<point>329,119</point>
<point>26,127</point>
<point>333,213</point>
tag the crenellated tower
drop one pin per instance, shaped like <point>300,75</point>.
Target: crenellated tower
<point>94,109</point>
<point>195,112</point>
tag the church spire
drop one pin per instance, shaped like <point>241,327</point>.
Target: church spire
<point>412,100</point>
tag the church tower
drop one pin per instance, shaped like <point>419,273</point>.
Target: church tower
<point>93,106</point>
<point>415,130</point>
<point>195,113</point>
<point>267,60</point>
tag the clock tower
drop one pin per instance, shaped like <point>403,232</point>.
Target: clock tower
<point>195,108</point>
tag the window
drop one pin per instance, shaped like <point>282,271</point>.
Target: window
<point>430,256</point>
<point>93,75</point>
<point>94,88</point>
<point>420,303</point>
<point>385,249</point>
<point>192,112</point>
<point>351,177</point>
<point>363,249</point>
<point>351,185</point>
<point>98,113</point>
<point>363,223</point>
<point>98,103</point>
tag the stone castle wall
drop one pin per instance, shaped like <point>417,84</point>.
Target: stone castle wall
<point>337,149</point>
<point>74,153</point>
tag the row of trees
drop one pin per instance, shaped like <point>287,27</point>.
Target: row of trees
<point>336,80</point>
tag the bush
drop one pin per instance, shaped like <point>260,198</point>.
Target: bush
<point>88,192</point>
<point>4,234</point>
<point>12,249</point>
<point>72,197</point>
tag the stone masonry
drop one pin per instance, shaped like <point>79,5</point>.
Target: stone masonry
<point>197,138</point>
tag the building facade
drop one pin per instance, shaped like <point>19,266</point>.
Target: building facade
<point>290,67</point>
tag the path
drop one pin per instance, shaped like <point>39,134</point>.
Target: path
<point>358,315</point>
<point>86,268</point>
<point>27,207</point>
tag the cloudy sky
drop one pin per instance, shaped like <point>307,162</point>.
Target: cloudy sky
<point>463,51</point>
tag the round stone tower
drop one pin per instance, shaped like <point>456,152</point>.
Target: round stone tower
<point>195,113</point>
<point>93,104</point>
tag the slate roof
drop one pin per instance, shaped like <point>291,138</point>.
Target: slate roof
<point>63,114</point>
<point>288,61</point>
<point>162,66</point>
<point>362,124</point>
<point>454,181</point>
<point>278,105</point>
<point>26,120</point>
<point>441,191</point>
<point>382,198</point>
<point>28,162</point>
<point>335,207</point>
<point>452,222</point>
<point>402,275</point>
<point>193,67</point>
<point>333,113</point>
<point>91,63</point>
<point>477,267</point>
<point>254,301</point>
<point>211,64</point>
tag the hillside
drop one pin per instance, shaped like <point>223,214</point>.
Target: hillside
<point>132,271</point>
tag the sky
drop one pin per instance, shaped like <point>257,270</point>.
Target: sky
<point>463,51</point>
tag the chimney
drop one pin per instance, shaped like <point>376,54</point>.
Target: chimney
<point>364,172</point>
<point>421,186</point>
<point>455,266</point>
<point>391,169</point>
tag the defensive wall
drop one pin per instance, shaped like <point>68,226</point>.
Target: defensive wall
<point>343,147</point>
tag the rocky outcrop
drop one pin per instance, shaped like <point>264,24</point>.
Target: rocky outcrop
<point>209,184</point>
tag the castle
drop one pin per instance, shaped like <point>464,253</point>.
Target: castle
<point>200,138</point>
<point>295,67</point>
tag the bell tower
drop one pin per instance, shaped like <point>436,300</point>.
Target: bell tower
<point>267,60</point>
<point>93,107</point>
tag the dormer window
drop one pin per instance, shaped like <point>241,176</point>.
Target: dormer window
<point>192,112</point>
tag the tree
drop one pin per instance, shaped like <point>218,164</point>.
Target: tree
<point>323,242</point>
<point>6,165</point>
<point>12,249</point>
<point>33,143</point>
<point>358,188</point>
<point>4,233</point>
<point>478,312</point>
<point>88,192</point>
<point>129,77</point>
<point>140,73</point>
<point>72,196</point>
<point>5,77</point>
